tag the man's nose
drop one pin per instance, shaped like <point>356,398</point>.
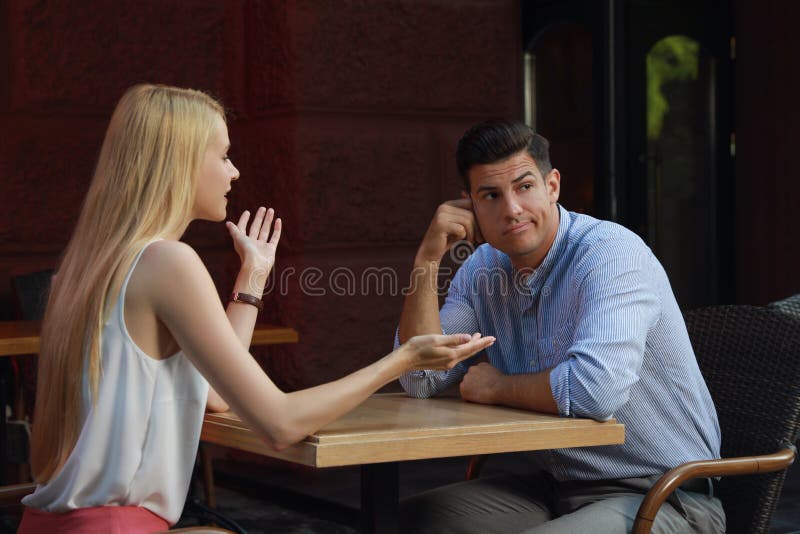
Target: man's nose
<point>512,206</point>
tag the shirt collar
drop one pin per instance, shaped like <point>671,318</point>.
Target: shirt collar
<point>535,280</point>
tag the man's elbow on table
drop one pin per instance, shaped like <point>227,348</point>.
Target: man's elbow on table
<point>416,385</point>
<point>595,396</point>
<point>600,406</point>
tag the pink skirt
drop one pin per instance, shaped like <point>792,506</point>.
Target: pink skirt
<point>95,520</point>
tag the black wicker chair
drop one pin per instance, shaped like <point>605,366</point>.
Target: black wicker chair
<point>790,305</point>
<point>750,358</point>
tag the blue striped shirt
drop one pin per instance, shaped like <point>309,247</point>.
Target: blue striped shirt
<point>599,311</point>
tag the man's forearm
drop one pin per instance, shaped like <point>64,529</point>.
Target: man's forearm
<point>528,392</point>
<point>421,306</point>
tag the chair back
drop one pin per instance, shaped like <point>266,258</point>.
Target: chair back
<point>750,358</point>
<point>790,305</point>
<point>30,293</point>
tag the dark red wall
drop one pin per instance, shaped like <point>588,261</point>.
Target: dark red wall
<point>767,147</point>
<point>343,116</point>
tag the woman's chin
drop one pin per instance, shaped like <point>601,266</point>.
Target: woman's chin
<point>214,217</point>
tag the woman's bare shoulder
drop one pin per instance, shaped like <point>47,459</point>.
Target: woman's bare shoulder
<point>169,262</point>
<point>170,251</point>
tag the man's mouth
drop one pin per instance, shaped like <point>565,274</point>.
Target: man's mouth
<point>517,228</point>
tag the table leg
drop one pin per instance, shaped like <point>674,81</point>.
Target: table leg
<point>379,498</point>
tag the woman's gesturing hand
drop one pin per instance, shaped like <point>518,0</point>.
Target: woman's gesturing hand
<point>256,247</point>
<point>442,351</point>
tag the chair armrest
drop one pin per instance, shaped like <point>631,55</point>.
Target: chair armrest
<point>672,479</point>
<point>12,494</point>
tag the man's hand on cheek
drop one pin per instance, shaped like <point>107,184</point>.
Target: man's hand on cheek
<point>477,237</point>
<point>453,221</point>
<point>481,384</point>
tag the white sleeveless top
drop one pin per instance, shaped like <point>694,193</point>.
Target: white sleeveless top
<point>139,441</point>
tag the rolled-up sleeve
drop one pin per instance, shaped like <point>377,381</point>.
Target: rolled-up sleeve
<point>617,307</point>
<point>457,316</point>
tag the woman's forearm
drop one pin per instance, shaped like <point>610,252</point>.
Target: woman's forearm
<point>241,315</point>
<point>310,409</point>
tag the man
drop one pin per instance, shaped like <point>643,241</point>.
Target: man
<point>586,326</point>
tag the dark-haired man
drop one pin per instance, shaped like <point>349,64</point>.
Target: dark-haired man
<point>586,326</point>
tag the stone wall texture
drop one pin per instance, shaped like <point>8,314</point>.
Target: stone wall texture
<point>343,116</point>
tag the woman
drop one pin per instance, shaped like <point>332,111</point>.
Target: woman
<point>134,328</point>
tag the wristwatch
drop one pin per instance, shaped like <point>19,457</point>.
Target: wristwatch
<point>246,298</point>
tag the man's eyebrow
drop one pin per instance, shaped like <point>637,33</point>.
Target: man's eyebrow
<point>515,180</point>
<point>523,175</point>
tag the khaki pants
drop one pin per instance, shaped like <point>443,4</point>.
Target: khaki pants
<point>538,504</point>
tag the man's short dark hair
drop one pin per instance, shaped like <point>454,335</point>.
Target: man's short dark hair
<point>495,140</point>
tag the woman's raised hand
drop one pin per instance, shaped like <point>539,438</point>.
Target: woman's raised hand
<point>256,247</point>
<point>442,351</point>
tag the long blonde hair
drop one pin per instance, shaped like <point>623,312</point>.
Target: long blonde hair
<point>143,188</point>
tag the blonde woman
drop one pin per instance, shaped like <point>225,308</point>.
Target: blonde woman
<point>136,345</point>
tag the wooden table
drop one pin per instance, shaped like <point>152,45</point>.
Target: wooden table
<point>19,337</point>
<point>22,337</point>
<point>391,428</point>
